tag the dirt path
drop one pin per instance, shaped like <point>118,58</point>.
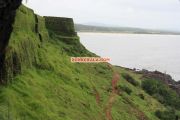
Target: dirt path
<point>111,100</point>
<point>97,95</point>
<point>108,108</point>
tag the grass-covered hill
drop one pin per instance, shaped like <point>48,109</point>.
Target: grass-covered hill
<point>42,84</point>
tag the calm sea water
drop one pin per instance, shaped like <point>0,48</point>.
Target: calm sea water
<point>151,52</point>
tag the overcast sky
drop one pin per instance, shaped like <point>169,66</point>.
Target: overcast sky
<point>156,14</point>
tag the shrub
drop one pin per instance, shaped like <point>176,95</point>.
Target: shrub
<point>141,96</point>
<point>83,85</point>
<point>126,89</point>
<point>130,79</point>
<point>150,86</point>
<point>166,115</point>
<point>161,92</point>
<point>159,98</point>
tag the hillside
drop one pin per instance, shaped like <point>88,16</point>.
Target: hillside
<point>38,81</point>
<point>131,30</point>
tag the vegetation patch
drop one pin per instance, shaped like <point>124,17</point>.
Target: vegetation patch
<point>130,79</point>
<point>169,114</point>
<point>125,89</point>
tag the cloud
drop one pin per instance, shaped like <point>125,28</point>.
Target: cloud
<point>163,14</point>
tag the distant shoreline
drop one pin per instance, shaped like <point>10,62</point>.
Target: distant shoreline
<point>124,33</point>
<point>122,30</point>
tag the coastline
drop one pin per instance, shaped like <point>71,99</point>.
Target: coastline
<point>168,70</point>
<point>86,32</point>
<point>163,77</point>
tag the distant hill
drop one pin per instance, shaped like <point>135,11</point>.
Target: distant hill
<point>102,29</point>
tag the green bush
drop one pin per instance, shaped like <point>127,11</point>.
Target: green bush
<point>130,79</point>
<point>161,92</point>
<point>150,86</point>
<point>166,115</point>
<point>141,96</point>
<point>126,89</point>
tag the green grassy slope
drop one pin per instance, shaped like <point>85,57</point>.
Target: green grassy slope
<point>50,87</point>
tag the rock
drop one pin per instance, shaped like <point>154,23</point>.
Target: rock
<point>7,16</point>
<point>61,26</point>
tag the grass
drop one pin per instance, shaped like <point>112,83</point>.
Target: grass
<point>50,87</point>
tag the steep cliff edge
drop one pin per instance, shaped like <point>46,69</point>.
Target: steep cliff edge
<point>62,29</point>
<point>61,26</point>
<point>42,83</point>
<point>7,16</point>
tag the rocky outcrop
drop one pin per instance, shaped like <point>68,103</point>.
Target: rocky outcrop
<point>165,78</point>
<point>159,76</point>
<point>7,17</point>
<point>61,26</point>
<point>20,45</point>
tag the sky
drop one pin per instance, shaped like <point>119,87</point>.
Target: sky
<point>153,14</point>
